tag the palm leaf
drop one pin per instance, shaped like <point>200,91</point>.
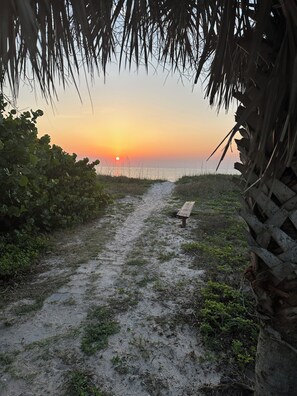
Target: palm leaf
<point>230,42</point>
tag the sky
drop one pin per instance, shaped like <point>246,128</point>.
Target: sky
<point>153,119</point>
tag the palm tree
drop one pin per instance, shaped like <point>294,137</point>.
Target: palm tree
<point>246,49</point>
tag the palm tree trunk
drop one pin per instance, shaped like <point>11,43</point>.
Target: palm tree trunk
<point>270,210</point>
<point>275,365</point>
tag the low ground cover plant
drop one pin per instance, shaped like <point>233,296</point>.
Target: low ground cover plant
<point>224,306</point>
<point>80,383</point>
<point>100,326</point>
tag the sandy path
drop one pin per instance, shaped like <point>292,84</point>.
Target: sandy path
<point>141,273</point>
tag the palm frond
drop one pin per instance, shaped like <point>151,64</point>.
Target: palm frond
<point>237,44</point>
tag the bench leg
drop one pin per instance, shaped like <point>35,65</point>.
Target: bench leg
<point>184,222</point>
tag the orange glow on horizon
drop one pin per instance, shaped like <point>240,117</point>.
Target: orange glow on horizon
<point>166,142</point>
<point>137,119</point>
<point>142,150</point>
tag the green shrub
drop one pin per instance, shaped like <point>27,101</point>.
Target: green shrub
<point>42,188</point>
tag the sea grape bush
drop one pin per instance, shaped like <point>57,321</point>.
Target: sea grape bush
<point>42,186</point>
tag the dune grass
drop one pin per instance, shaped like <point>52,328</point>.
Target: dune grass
<point>224,306</point>
<point>120,186</point>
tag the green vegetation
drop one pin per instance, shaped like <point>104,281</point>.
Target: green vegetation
<point>120,364</point>
<point>137,261</point>
<point>225,322</point>
<point>101,325</point>
<point>18,250</point>
<point>145,279</point>
<point>42,188</point>
<point>24,309</point>
<point>142,345</point>
<point>166,256</point>
<point>81,384</point>
<point>6,358</point>
<point>123,300</point>
<point>223,307</point>
<point>120,186</point>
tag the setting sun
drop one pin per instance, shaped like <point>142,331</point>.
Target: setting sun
<point>163,130</point>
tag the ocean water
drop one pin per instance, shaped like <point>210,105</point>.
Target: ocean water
<point>171,174</point>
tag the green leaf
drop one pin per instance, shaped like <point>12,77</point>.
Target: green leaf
<point>33,159</point>
<point>23,181</point>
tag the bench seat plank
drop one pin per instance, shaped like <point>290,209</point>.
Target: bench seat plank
<point>186,209</point>
<point>185,212</point>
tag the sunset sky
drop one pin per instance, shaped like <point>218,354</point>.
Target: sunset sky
<point>150,119</point>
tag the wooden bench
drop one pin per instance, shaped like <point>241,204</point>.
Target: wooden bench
<point>185,211</point>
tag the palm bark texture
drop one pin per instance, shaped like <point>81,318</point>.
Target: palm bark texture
<point>245,50</point>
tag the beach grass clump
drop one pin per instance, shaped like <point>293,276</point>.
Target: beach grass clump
<point>204,187</point>
<point>100,326</point>
<point>137,261</point>
<point>80,383</point>
<point>120,186</point>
